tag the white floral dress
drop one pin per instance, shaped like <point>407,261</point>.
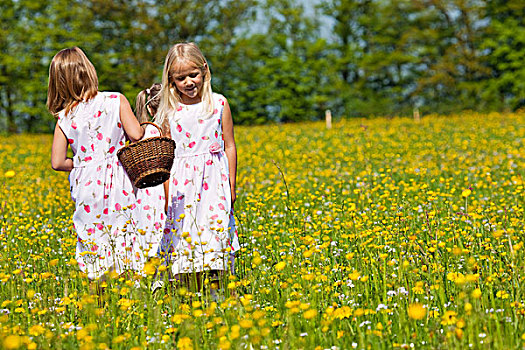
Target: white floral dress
<point>150,214</point>
<point>200,231</point>
<point>102,192</point>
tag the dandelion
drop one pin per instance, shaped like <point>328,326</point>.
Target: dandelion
<point>246,323</point>
<point>280,266</point>
<point>449,318</point>
<point>476,293</point>
<point>466,192</point>
<point>354,276</point>
<point>502,294</point>
<point>418,288</point>
<point>416,311</point>
<point>30,294</point>
<point>184,343</point>
<point>459,333</point>
<point>12,342</point>
<point>309,314</point>
<point>149,269</point>
<point>224,343</point>
<point>468,308</point>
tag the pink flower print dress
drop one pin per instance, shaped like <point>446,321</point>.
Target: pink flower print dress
<point>101,189</point>
<point>150,214</point>
<point>200,229</point>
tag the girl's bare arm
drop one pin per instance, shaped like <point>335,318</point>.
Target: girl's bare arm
<point>229,147</point>
<point>59,159</point>
<point>131,125</point>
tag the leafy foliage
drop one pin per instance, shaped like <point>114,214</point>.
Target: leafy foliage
<point>280,61</point>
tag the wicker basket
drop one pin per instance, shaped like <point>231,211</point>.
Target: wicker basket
<point>148,162</point>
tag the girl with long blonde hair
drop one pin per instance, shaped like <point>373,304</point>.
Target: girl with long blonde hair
<point>200,231</point>
<point>94,125</point>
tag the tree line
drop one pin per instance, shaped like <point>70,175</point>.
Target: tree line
<point>277,60</point>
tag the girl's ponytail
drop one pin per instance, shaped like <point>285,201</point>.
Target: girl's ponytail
<point>141,111</point>
<point>147,103</point>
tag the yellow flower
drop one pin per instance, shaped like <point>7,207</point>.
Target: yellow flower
<point>276,323</point>
<point>476,293</point>
<point>149,269</point>
<point>502,294</point>
<point>82,333</point>
<point>416,311</point>
<point>46,275</point>
<point>472,277</point>
<point>468,307</point>
<point>224,343</point>
<point>12,342</point>
<point>456,277</point>
<point>418,288</point>
<point>280,266</point>
<point>9,173</point>
<point>309,314</point>
<point>179,318</point>
<point>246,323</point>
<point>449,318</point>
<point>184,343</point>
<point>36,330</point>
<point>466,192</point>
<point>459,333</point>
<point>235,332</point>
<point>354,275</point>
<point>257,261</point>
<point>118,339</point>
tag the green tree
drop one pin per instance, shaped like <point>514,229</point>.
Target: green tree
<point>126,41</point>
<point>505,44</point>
<point>451,54</point>
<point>7,65</point>
<point>32,32</point>
<point>279,70</point>
<point>374,55</point>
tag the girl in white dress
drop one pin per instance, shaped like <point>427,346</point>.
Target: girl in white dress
<point>94,124</point>
<point>200,232</point>
<point>151,201</point>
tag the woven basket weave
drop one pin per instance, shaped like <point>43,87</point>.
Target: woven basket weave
<point>148,162</point>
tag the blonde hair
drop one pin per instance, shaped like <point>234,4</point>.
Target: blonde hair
<point>169,96</point>
<point>72,79</point>
<point>147,98</point>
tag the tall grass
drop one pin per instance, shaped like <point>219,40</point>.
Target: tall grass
<point>375,234</point>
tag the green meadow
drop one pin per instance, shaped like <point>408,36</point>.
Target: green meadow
<point>377,233</point>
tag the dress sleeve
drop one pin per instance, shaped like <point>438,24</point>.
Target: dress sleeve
<point>64,123</point>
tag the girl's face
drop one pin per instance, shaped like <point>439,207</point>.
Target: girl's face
<point>188,80</point>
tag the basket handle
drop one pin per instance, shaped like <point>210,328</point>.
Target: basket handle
<point>155,125</point>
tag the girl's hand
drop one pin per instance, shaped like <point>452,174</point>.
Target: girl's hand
<point>166,195</point>
<point>234,197</point>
